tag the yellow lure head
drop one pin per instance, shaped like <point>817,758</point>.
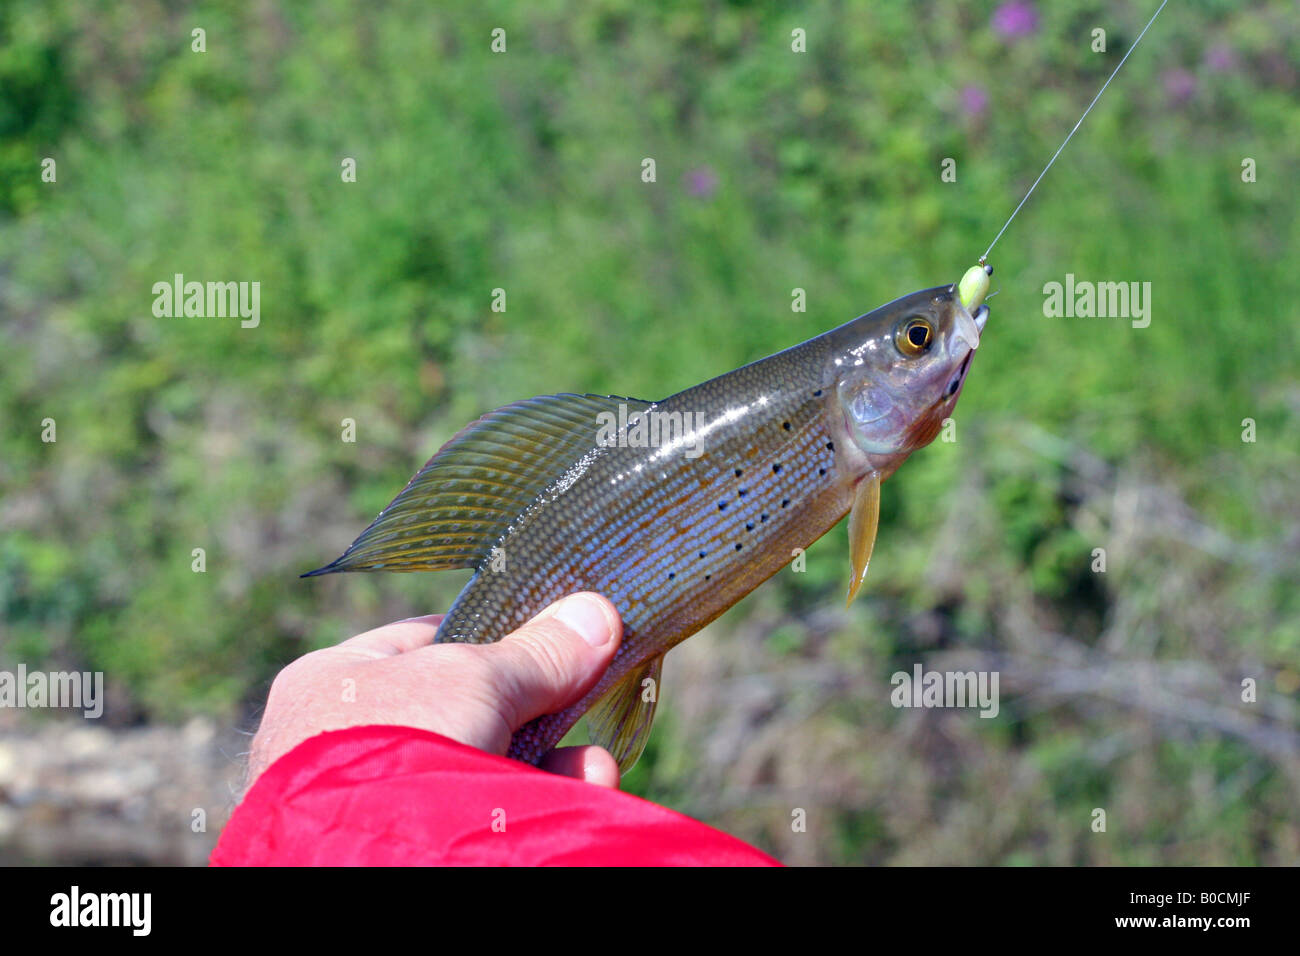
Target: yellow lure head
<point>974,286</point>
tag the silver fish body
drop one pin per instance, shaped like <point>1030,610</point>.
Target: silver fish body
<point>683,507</point>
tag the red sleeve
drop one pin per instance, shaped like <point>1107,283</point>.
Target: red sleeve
<point>379,796</point>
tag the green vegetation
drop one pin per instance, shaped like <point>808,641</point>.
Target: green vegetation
<point>775,170</point>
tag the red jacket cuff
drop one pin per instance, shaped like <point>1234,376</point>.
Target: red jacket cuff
<point>391,795</point>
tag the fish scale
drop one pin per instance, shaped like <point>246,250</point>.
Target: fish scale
<point>541,508</point>
<point>668,512</point>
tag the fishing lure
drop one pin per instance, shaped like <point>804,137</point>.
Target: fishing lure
<point>564,493</point>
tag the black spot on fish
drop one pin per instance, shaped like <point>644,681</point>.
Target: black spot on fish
<point>821,471</point>
<point>739,472</point>
<point>671,575</point>
<point>707,576</point>
<point>817,394</point>
<point>786,426</point>
<point>830,446</point>
<point>776,469</point>
<point>762,517</point>
<point>749,526</point>
<point>701,554</point>
<point>737,547</point>
<point>722,506</point>
<point>743,492</point>
<point>784,502</point>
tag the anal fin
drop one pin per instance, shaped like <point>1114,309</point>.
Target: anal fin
<point>620,721</point>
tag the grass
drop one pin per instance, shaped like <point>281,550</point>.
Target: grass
<point>775,171</point>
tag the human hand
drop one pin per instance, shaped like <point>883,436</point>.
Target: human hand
<point>478,694</point>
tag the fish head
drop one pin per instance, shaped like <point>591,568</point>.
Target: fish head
<point>899,370</point>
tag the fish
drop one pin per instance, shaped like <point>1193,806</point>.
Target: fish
<point>675,509</point>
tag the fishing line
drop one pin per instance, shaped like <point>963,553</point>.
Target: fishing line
<point>984,257</point>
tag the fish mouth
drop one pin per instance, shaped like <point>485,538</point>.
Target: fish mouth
<point>962,344</point>
<point>965,332</point>
<point>958,379</point>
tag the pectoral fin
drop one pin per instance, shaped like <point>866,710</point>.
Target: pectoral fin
<point>863,522</point>
<point>620,721</point>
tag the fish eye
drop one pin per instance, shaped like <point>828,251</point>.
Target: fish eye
<point>914,336</point>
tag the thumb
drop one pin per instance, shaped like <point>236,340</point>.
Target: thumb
<point>555,658</point>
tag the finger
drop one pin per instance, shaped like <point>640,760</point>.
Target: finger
<point>590,763</point>
<point>555,658</point>
<point>396,638</point>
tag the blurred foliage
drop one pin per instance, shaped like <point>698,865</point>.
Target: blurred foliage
<point>775,170</point>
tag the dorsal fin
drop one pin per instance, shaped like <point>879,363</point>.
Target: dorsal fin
<point>457,507</point>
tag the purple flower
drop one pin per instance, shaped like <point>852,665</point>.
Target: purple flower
<point>1220,58</point>
<point>974,101</point>
<point>1016,18</point>
<point>701,182</point>
<point>1180,85</point>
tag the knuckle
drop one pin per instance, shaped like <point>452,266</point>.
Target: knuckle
<point>546,643</point>
<point>298,673</point>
